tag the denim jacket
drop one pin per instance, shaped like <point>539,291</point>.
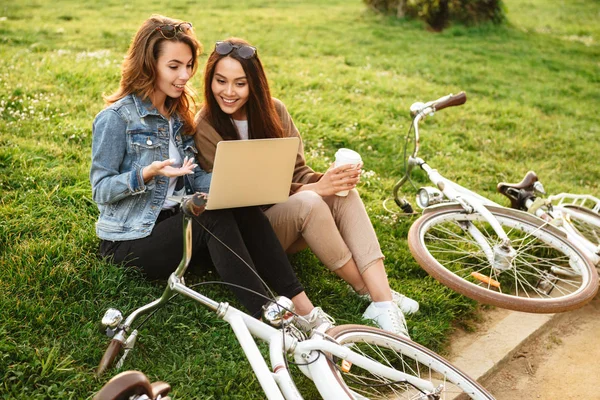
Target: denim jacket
<point>127,136</point>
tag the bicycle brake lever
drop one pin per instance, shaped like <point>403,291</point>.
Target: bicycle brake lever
<point>127,347</point>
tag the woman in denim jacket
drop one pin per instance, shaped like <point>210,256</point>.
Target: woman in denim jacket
<point>143,152</point>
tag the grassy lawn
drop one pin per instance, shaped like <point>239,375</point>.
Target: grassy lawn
<point>348,77</point>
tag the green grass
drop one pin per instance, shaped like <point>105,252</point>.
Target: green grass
<point>348,77</point>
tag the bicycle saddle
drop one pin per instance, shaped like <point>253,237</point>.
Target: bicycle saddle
<point>130,383</point>
<point>518,192</point>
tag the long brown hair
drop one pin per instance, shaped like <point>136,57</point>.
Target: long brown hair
<point>263,121</point>
<point>138,72</point>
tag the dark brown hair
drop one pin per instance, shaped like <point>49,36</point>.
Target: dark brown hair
<point>263,121</point>
<point>138,72</point>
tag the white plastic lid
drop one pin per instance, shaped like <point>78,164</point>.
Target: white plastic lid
<point>347,156</point>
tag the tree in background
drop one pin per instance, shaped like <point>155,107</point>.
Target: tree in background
<point>438,14</point>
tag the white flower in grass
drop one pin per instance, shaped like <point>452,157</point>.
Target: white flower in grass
<point>586,40</point>
<point>351,127</point>
<point>389,219</point>
<point>99,55</point>
<point>369,174</point>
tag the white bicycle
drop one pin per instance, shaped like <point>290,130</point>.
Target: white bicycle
<point>344,362</point>
<point>490,253</point>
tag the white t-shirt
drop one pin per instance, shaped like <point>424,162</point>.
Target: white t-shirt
<point>242,127</point>
<point>173,154</point>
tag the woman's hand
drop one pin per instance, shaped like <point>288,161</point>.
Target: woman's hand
<point>336,179</point>
<point>165,168</point>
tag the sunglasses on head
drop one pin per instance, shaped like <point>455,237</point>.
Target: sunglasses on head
<point>243,50</point>
<point>169,31</point>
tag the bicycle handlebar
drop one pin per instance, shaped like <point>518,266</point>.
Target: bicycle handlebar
<point>109,356</point>
<point>451,101</point>
<point>439,104</point>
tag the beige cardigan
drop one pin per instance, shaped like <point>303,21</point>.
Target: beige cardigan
<point>207,137</point>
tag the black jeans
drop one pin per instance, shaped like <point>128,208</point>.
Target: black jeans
<point>246,231</point>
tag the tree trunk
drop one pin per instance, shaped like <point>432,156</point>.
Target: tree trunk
<point>401,13</point>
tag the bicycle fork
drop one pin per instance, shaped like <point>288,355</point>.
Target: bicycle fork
<point>500,256</point>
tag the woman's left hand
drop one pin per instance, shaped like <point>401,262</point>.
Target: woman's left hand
<point>165,168</point>
<point>186,168</point>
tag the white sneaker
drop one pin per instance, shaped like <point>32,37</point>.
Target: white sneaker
<point>314,319</point>
<point>388,318</point>
<point>405,304</point>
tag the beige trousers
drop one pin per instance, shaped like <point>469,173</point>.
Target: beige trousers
<point>335,228</point>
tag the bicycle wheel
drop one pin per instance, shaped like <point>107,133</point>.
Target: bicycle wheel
<point>548,274</point>
<point>403,355</point>
<point>586,221</point>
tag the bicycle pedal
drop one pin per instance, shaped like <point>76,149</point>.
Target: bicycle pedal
<point>346,365</point>
<point>486,279</point>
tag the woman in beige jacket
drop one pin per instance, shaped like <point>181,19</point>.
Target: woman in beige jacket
<point>238,106</point>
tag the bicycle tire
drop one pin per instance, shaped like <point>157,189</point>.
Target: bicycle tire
<point>584,220</point>
<point>108,359</point>
<point>402,354</point>
<point>450,255</point>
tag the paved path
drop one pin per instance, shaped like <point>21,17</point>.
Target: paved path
<point>563,363</point>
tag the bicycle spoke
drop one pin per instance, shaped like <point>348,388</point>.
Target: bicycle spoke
<point>367,383</point>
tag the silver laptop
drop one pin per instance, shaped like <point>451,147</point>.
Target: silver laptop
<point>252,172</point>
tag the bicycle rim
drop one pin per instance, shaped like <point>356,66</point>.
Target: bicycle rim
<point>585,221</point>
<point>404,355</point>
<point>548,273</point>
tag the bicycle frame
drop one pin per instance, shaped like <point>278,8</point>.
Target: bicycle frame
<point>275,381</point>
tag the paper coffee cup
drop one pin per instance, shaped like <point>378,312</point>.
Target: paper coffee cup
<point>344,157</point>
